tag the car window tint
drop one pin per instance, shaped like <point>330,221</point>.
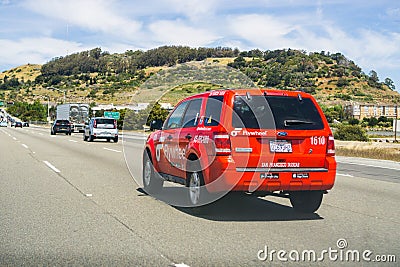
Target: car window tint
<point>213,110</point>
<point>295,114</point>
<point>275,112</point>
<point>192,114</point>
<point>105,121</point>
<point>175,119</point>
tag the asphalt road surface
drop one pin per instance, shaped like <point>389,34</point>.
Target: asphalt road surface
<point>64,201</point>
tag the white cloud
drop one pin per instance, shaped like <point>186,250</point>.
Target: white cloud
<point>95,15</point>
<point>261,30</point>
<point>393,12</point>
<point>35,50</point>
<point>194,9</point>
<point>176,32</point>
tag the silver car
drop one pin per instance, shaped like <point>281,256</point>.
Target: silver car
<point>101,128</point>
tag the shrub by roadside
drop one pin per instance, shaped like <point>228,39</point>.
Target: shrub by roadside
<point>350,133</point>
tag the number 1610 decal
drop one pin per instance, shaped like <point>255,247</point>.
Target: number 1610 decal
<point>318,140</point>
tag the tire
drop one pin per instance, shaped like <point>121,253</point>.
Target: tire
<point>84,137</point>
<point>116,139</point>
<point>91,138</point>
<point>52,133</point>
<point>108,139</point>
<point>306,201</point>
<point>197,192</point>
<point>151,183</point>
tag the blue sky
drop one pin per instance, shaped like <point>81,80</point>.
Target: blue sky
<point>367,32</point>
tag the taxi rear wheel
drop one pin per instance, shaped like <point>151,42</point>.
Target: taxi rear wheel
<point>195,184</point>
<point>306,201</point>
<point>198,193</point>
<point>151,183</point>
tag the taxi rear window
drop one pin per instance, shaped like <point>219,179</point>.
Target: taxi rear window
<point>213,110</point>
<point>275,112</point>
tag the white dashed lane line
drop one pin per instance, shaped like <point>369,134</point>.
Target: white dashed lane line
<point>113,150</point>
<point>25,146</point>
<point>346,175</point>
<point>73,141</point>
<point>51,166</point>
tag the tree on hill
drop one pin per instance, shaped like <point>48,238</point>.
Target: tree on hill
<point>390,84</point>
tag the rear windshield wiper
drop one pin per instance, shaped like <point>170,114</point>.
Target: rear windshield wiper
<point>296,122</point>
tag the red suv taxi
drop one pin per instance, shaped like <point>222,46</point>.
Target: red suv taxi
<point>259,141</point>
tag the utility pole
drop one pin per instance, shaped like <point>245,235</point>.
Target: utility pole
<point>48,109</point>
<point>395,124</point>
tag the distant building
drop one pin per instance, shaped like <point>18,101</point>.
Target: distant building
<point>360,111</point>
<point>135,107</point>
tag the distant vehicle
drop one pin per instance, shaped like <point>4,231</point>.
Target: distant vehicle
<point>25,124</point>
<point>61,126</point>
<point>101,128</point>
<point>12,123</point>
<point>76,113</point>
<point>3,124</point>
<point>18,124</point>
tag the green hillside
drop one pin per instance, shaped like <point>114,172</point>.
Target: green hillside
<point>98,77</point>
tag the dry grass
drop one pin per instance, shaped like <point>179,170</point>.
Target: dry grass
<point>386,151</point>
<point>24,72</point>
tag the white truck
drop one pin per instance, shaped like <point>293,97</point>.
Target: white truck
<point>76,113</point>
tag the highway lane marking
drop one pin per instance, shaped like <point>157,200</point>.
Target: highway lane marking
<point>14,138</point>
<point>51,166</point>
<point>346,175</point>
<point>113,150</point>
<point>25,146</point>
<point>369,165</point>
<point>74,141</point>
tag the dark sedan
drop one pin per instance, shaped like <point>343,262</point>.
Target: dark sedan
<point>61,126</point>
<point>18,124</point>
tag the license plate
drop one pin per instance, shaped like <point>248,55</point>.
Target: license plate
<point>280,146</point>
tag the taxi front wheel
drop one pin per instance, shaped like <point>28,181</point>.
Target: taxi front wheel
<point>306,201</point>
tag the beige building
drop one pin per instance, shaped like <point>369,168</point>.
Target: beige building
<point>360,111</point>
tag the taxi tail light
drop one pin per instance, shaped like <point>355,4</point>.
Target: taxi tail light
<point>330,148</point>
<point>115,124</point>
<point>222,143</point>
<point>94,124</point>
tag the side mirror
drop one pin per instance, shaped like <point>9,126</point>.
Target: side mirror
<point>156,125</point>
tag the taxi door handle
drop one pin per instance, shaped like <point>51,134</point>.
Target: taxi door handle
<point>188,136</point>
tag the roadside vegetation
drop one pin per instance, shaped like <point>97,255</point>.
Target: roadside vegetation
<point>369,151</point>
